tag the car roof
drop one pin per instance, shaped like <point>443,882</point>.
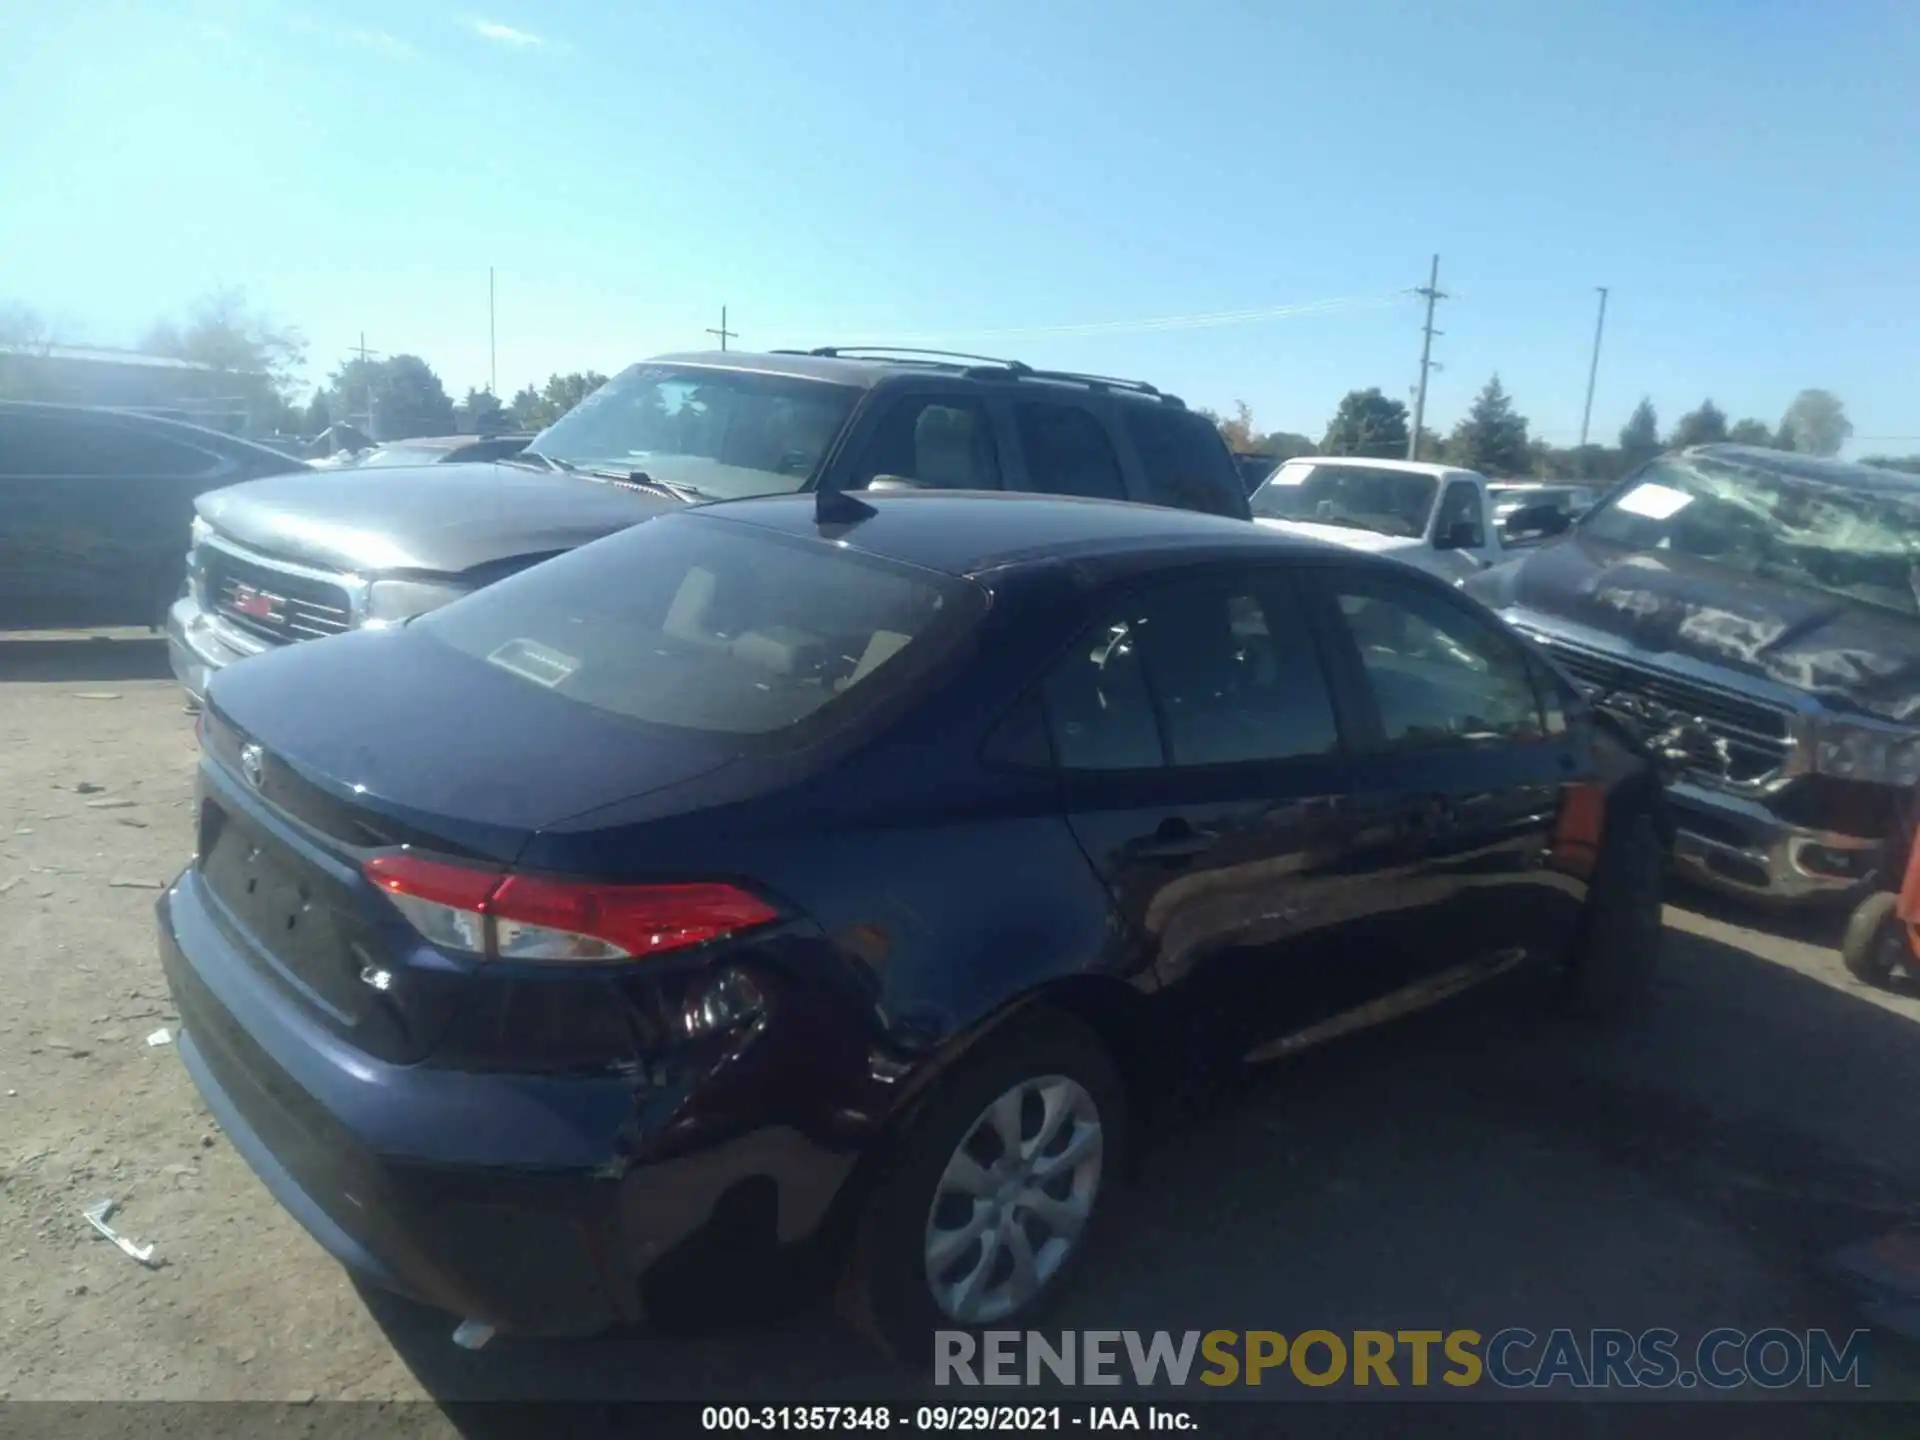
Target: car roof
<point>1845,474</point>
<point>973,532</point>
<point>1404,467</point>
<point>871,366</point>
<point>139,420</point>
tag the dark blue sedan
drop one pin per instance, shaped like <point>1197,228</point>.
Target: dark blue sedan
<point>796,880</point>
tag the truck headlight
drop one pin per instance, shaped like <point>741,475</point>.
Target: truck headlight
<point>394,602</point>
<point>1880,757</point>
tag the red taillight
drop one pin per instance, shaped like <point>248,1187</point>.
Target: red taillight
<point>525,917</point>
<point>1578,829</point>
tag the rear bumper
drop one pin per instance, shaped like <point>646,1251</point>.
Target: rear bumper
<point>199,645</point>
<point>1741,847</point>
<point>503,1198</point>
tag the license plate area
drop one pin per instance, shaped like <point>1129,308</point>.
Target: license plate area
<point>283,907</point>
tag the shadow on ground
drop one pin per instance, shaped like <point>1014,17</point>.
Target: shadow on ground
<point>85,659</point>
<point>1478,1167</point>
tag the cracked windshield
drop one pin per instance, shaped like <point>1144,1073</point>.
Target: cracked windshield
<point>910,718</point>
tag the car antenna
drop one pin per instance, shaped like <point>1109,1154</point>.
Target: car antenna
<point>837,507</point>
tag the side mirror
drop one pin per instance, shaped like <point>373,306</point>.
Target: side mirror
<point>1460,535</point>
<point>1540,520</point>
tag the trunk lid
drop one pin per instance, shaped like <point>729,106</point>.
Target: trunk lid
<point>319,756</point>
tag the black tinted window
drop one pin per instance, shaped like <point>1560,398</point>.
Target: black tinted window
<point>78,445</point>
<point>1235,672</point>
<point>709,626</point>
<point>1460,506</point>
<point>1229,668</point>
<point>1188,465</point>
<point>1068,453</point>
<point>1438,673</point>
<point>942,444</point>
<point>1098,708</point>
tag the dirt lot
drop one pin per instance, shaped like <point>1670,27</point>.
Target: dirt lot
<point>1473,1168</point>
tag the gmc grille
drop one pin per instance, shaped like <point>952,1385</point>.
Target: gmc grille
<point>272,603</point>
<point>1759,736</point>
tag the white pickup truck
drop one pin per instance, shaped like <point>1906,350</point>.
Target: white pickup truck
<point>1434,516</point>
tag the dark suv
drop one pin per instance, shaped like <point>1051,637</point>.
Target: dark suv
<point>317,554</point>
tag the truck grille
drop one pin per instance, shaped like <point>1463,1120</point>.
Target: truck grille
<point>272,603</point>
<point>1758,735</point>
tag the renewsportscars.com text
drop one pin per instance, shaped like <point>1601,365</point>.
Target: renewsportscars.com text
<point>1512,1359</point>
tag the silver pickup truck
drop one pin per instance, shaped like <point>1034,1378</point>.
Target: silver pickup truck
<point>1438,517</point>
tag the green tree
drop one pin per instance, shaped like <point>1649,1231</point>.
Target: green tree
<point>259,357</point>
<point>1493,437</point>
<point>1639,437</point>
<point>481,413</point>
<point>1283,445</point>
<point>392,399</point>
<point>529,409</point>
<point>563,392</point>
<point>319,414</point>
<point>1367,423</point>
<point>1786,438</point>
<point>1818,422</point>
<point>1750,432</point>
<point>536,409</point>
<point>1705,426</point>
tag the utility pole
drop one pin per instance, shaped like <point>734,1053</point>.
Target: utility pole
<point>724,333</point>
<point>1593,370</point>
<point>1434,293</point>
<point>366,380</point>
<point>493,372</point>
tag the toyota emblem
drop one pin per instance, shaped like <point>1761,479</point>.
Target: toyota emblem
<point>253,764</point>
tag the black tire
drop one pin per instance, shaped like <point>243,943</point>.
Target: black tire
<point>1875,941</point>
<point>886,1292</point>
<point>1608,971</point>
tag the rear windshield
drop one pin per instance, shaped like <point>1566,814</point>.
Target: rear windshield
<point>705,624</point>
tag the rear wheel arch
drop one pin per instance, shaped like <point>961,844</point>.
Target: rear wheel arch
<point>1109,1008</point>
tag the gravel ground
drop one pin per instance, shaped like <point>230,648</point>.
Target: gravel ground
<point>1474,1167</point>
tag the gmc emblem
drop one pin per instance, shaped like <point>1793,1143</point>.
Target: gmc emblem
<point>257,603</point>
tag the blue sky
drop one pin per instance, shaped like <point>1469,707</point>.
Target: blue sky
<point>1037,179</point>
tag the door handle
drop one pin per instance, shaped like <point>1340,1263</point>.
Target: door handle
<point>1175,840</point>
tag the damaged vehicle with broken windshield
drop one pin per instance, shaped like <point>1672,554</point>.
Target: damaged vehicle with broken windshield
<point>1754,615</point>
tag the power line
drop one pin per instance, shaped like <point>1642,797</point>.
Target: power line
<point>1202,321</point>
<point>1434,294</point>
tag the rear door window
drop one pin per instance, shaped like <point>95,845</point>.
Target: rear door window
<point>940,443</point>
<point>708,625</point>
<point>1195,673</point>
<point>1067,452</point>
<point>1188,465</point>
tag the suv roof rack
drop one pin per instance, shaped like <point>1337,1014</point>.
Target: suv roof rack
<point>985,366</point>
<point>911,351</point>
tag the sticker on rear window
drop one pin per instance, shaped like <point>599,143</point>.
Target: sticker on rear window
<point>1656,502</point>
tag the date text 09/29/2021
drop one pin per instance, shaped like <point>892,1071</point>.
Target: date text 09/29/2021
<point>944,1419</point>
